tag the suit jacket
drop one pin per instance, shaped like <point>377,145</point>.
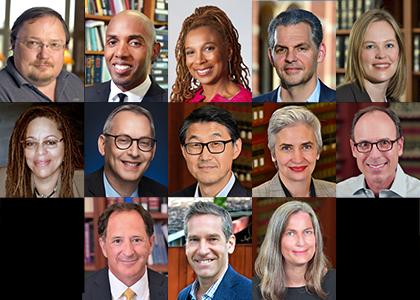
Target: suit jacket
<point>97,286</point>
<point>351,92</point>
<point>100,93</point>
<point>273,188</point>
<point>94,186</point>
<point>233,286</point>
<point>326,95</point>
<point>237,190</point>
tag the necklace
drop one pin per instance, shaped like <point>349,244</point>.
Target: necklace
<point>38,195</point>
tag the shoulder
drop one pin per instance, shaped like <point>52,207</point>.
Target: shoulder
<point>350,92</point>
<point>329,283</point>
<point>238,283</point>
<point>96,279</point>
<point>413,186</point>
<point>238,190</point>
<point>327,94</point>
<point>187,192</point>
<point>79,183</point>
<point>325,188</point>
<point>150,187</point>
<point>73,78</point>
<point>270,188</point>
<point>347,187</point>
<point>183,294</point>
<point>267,97</point>
<point>3,182</point>
<point>244,95</point>
<point>99,92</point>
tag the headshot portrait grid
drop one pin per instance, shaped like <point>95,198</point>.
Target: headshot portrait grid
<point>210,248</point>
<point>42,152</point>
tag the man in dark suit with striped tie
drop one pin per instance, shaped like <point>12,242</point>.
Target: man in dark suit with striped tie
<point>130,50</point>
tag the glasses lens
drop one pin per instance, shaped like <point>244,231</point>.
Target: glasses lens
<point>194,148</point>
<point>146,144</point>
<point>384,145</point>
<point>216,147</point>
<point>364,147</point>
<point>123,141</point>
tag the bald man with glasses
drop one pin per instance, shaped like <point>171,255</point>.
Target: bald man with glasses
<point>377,150</point>
<point>210,142</point>
<point>128,145</point>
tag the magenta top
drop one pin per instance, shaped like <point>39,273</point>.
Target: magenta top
<point>242,96</point>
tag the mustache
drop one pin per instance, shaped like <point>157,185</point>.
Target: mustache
<point>38,63</point>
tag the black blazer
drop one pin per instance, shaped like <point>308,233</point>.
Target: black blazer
<point>350,92</point>
<point>100,93</point>
<point>237,190</point>
<point>326,95</point>
<point>97,286</point>
<point>94,186</point>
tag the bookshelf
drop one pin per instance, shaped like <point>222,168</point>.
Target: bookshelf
<point>263,168</point>
<point>97,16</point>
<point>94,259</point>
<point>406,13</point>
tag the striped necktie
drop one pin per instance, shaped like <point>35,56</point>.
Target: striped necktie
<point>129,294</point>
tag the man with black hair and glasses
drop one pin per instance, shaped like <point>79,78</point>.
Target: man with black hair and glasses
<point>210,142</point>
<point>128,145</point>
<point>377,150</point>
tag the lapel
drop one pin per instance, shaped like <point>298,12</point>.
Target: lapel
<point>102,288</point>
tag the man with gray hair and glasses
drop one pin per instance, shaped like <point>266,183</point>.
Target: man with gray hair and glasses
<point>128,145</point>
<point>377,150</point>
<point>35,72</point>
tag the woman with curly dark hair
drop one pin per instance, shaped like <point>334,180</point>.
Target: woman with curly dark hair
<point>209,63</point>
<point>43,156</point>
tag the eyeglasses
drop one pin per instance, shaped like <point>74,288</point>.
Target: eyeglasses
<point>123,142</point>
<point>31,144</point>
<point>34,44</point>
<point>214,147</point>
<point>382,145</point>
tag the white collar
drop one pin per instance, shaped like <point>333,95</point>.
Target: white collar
<point>134,95</point>
<point>141,287</point>
<point>313,98</point>
<point>224,192</point>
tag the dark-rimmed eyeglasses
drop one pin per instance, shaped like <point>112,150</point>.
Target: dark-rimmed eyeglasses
<point>383,145</point>
<point>123,142</point>
<point>50,143</point>
<point>214,147</point>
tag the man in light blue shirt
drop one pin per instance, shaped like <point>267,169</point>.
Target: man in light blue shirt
<point>377,150</point>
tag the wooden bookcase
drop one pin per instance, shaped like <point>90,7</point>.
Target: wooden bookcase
<point>93,210</point>
<point>148,7</point>
<point>406,13</point>
<point>263,168</point>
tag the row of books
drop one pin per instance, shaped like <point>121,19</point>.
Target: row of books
<point>349,10</point>
<point>111,7</point>
<point>95,35</point>
<point>95,69</point>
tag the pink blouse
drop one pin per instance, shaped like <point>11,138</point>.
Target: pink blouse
<point>242,96</point>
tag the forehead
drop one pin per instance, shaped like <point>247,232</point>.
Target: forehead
<point>293,34</point>
<point>202,34</point>
<point>203,130</point>
<point>125,25</point>
<point>42,123</point>
<point>299,132</point>
<point>125,221</point>
<point>47,26</point>
<point>299,219</point>
<point>379,31</point>
<point>384,127</point>
<point>127,119</point>
<point>205,225</point>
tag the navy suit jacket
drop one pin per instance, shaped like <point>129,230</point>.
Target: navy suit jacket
<point>237,190</point>
<point>233,286</point>
<point>97,286</point>
<point>100,93</point>
<point>326,95</point>
<point>94,186</point>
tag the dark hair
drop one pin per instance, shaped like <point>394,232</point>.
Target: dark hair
<point>32,14</point>
<point>210,113</point>
<point>208,208</point>
<point>18,181</point>
<point>293,17</point>
<point>370,109</point>
<point>124,207</point>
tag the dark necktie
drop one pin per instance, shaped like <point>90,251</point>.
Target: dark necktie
<point>121,96</point>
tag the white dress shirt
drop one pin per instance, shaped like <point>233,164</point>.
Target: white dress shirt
<point>141,287</point>
<point>313,98</point>
<point>133,95</point>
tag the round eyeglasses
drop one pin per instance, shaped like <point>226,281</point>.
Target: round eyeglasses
<point>214,147</point>
<point>383,145</point>
<point>123,142</point>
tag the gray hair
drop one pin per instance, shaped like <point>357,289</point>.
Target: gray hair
<point>269,265</point>
<point>137,109</point>
<point>293,17</point>
<point>289,116</point>
<point>208,208</point>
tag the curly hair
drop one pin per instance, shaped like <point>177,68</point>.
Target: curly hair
<point>18,181</point>
<point>185,85</point>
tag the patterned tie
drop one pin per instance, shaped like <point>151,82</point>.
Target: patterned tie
<point>129,294</point>
<point>121,96</point>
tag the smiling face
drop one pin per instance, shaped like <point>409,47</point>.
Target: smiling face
<point>206,55</point>
<point>127,246</point>
<point>378,167</point>
<point>126,166</point>
<point>380,52</point>
<point>211,170</point>
<point>298,241</point>
<point>296,153</point>
<point>207,249</point>
<point>40,66</point>
<point>44,161</point>
<point>129,50</point>
<point>295,56</point>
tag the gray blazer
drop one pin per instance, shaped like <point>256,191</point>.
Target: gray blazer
<point>272,188</point>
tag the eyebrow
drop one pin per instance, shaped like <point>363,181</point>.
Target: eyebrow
<point>295,46</point>
<point>390,40</point>
<point>48,136</point>
<point>215,134</point>
<point>130,37</point>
